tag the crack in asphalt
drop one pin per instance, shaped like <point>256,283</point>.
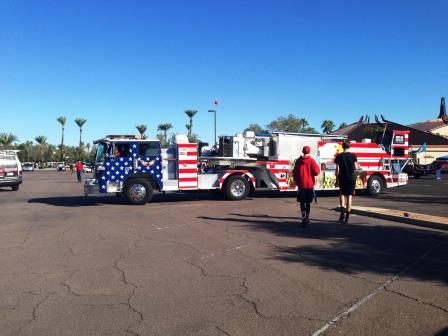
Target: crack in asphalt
<point>416,299</point>
<point>71,250</point>
<point>260,241</point>
<point>358,277</point>
<point>222,330</point>
<point>134,287</point>
<point>245,299</point>
<point>242,284</point>
<point>33,314</point>
<point>67,286</point>
<point>67,230</point>
<point>169,241</point>
<point>27,236</point>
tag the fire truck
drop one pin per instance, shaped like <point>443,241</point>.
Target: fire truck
<point>134,168</point>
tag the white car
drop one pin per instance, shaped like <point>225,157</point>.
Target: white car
<point>62,167</point>
<point>28,166</point>
<point>87,169</point>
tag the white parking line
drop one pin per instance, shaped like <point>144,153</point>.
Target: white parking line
<point>226,251</point>
<point>346,312</point>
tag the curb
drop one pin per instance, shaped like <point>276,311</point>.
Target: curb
<point>435,222</point>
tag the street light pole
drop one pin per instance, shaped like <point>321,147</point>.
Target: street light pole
<point>214,112</point>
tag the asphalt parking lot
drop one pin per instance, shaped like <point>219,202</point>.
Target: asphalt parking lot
<point>196,264</point>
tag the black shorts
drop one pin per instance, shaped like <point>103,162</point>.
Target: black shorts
<point>305,195</point>
<point>347,187</point>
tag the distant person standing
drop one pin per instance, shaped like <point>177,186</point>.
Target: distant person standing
<point>438,170</point>
<point>304,173</point>
<point>79,167</point>
<point>346,164</point>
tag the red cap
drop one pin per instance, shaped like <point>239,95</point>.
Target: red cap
<point>306,149</point>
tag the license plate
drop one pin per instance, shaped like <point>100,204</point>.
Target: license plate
<point>9,174</point>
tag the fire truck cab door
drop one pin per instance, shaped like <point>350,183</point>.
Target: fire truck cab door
<point>397,173</point>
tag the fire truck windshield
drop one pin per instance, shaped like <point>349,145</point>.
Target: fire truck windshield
<point>100,153</point>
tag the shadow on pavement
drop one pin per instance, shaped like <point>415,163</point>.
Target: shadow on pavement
<point>420,199</point>
<point>77,201</point>
<point>443,332</point>
<point>355,248</point>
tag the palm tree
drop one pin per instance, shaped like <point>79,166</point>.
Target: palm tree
<point>188,127</point>
<point>42,141</point>
<point>190,114</point>
<point>88,147</point>
<point>80,122</point>
<point>141,129</point>
<point>27,145</point>
<point>327,126</point>
<point>304,122</point>
<point>164,128</point>
<point>62,120</point>
<point>6,140</point>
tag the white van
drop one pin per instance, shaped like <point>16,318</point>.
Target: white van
<point>10,169</point>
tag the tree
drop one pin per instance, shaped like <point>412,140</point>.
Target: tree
<point>257,129</point>
<point>164,128</point>
<point>42,141</point>
<point>7,139</point>
<point>371,132</point>
<point>26,146</point>
<point>141,129</point>
<point>290,124</point>
<point>190,114</point>
<point>80,122</point>
<point>88,147</point>
<point>327,126</point>
<point>188,127</point>
<point>62,120</point>
<point>342,125</point>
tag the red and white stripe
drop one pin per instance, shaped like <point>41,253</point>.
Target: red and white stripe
<point>280,169</point>
<point>187,166</point>
<point>247,174</point>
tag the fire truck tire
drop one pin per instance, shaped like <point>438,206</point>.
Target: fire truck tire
<point>236,188</point>
<point>15,187</point>
<point>138,191</point>
<point>375,185</point>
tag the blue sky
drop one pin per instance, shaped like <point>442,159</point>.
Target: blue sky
<point>122,63</point>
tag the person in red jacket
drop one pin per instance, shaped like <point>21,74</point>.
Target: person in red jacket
<point>304,173</point>
<point>79,169</point>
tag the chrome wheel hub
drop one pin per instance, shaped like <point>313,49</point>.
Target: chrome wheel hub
<point>238,188</point>
<point>137,192</point>
<point>376,185</point>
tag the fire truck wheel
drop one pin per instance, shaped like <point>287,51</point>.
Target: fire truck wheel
<point>138,191</point>
<point>236,188</point>
<point>375,185</point>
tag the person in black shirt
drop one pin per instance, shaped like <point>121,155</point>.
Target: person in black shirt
<point>346,164</point>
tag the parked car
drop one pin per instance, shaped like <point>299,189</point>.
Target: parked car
<point>62,166</point>
<point>88,167</point>
<point>10,170</point>
<point>416,170</point>
<point>28,166</point>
